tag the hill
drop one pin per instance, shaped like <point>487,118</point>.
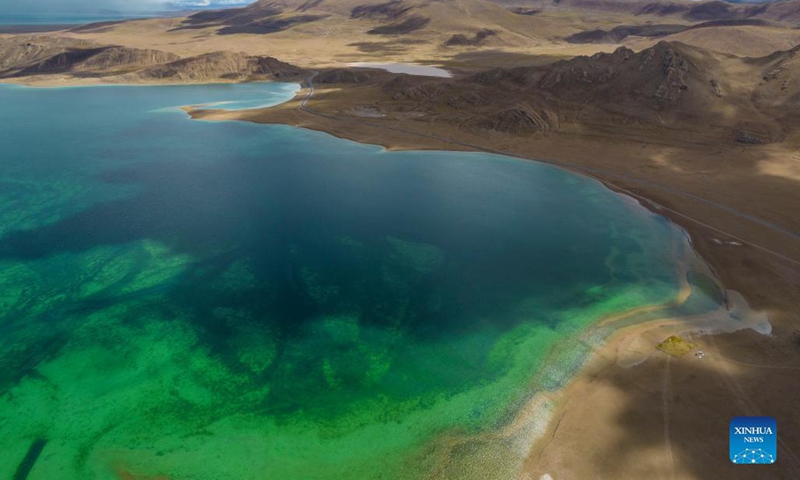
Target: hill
<point>464,34</point>
<point>40,57</point>
<point>779,85</point>
<point>737,39</point>
<point>787,11</point>
<point>336,32</point>
<point>670,89</point>
<point>435,21</point>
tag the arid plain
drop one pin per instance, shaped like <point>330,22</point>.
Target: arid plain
<point>689,107</point>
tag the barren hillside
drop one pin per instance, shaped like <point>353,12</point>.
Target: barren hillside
<point>40,57</point>
<point>669,88</point>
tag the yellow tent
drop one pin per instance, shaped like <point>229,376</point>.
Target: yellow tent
<point>676,346</point>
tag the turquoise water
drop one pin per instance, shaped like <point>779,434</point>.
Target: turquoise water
<point>65,18</point>
<point>203,300</point>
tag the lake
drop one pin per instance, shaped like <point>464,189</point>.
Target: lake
<point>206,300</point>
<point>68,18</point>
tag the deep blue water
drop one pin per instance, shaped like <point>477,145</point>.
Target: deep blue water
<point>222,299</point>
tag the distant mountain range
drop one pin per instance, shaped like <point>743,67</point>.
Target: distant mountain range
<point>206,4</point>
<point>217,4</point>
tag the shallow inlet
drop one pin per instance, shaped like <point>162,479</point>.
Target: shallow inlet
<point>201,300</point>
<point>262,97</point>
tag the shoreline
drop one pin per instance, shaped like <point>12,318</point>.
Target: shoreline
<point>64,81</point>
<point>612,180</point>
<point>720,161</point>
<point>678,218</point>
<point>545,457</point>
<point>21,29</point>
<point>530,419</point>
<point>677,249</point>
<point>406,139</point>
<point>629,345</point>
<point>603,363</point>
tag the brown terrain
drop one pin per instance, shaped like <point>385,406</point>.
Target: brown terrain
<point>56,59</point>
<point>690,107</point>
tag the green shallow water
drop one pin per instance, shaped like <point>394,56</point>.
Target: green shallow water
<point>198,300</point>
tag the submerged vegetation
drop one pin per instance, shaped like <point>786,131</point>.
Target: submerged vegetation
<point>297,306</point>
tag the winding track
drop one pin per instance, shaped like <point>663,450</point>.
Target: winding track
<point>600,174</point>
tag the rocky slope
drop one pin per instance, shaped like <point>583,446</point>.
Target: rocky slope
<point>23,51</point>
<point>787,11</point>
<point>221,65</point>
<point>670,87</point>
<point>459,22</point>
<point>40,56</point>
<point>779,82</point>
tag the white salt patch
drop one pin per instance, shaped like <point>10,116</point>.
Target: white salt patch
<point>407,68</point>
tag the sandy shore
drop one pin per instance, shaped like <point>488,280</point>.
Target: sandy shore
<point>634,412</point>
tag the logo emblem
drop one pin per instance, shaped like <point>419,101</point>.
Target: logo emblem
<point>753,440</point>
